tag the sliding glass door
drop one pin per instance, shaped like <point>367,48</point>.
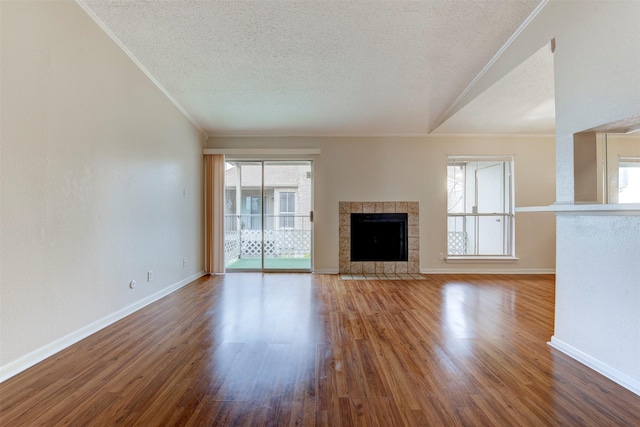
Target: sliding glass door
<point>268,215</point>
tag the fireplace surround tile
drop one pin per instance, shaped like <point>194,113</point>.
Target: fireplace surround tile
<point>414,268</point>
<point>356,268</point>
<point>389,267</point>
<point>401,207</point>
<point>414,243</point>
<point>345,252</point>
<point>345,220</point>
<point>345,232</point>
<point>390,207</point>
<point>393,268</point>
<point>369,267</point>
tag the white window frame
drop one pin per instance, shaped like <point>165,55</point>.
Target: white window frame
<point>508,215</point>
<point>288,216</point>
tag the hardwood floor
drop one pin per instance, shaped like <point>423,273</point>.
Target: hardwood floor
<point>249,349</point>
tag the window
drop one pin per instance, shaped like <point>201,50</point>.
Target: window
<point>480,214</point>
<point>251,217</point>
<point>287,209</point>
<point>629,180</point>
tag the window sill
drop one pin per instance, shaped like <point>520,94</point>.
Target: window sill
<point>480,259</point>
<point>627,209</point>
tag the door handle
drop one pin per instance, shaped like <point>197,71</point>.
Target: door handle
<point>311,216</point>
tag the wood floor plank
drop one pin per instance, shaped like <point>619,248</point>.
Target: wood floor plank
<point>313,350</point>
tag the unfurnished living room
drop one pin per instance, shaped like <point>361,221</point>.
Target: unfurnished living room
<point>329,212</point>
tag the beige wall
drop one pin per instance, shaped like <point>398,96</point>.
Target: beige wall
<point>585,167</point>
<point>414,169</point>
<point>94,161</point>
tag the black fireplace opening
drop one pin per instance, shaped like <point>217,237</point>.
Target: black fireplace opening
<point>379,237</point>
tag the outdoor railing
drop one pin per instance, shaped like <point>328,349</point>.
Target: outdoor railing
<point>285,236</point>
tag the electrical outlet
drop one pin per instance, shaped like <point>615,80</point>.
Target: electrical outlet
<point>441,256</point>
<point>149,276</point>
<point>184,262</point>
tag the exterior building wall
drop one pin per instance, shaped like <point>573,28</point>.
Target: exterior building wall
<point>278,178</point>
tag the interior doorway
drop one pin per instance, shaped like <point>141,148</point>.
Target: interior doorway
<point>268,215</point>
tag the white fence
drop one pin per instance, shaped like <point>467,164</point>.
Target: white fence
<point>242,242</point>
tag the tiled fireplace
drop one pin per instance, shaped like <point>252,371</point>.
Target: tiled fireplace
<point>379,267</point>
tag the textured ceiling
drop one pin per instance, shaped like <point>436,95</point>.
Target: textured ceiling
<point>522,102</point>
<point>313,67</point>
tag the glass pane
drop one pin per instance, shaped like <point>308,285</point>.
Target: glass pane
<point>491,235</point>
<point>478,187</point>
<point>287,234</point>
<point>479,235</point>
<point>455,189</point>
<point>457,236</point>
<point>243,216</point>
<point>629,182</point>
<point>490,185</point>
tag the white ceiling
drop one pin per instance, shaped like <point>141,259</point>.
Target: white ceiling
<point>298,68</point>
<point>522,102</point>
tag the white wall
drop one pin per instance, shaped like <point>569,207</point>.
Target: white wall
<point>597,317</point>
<point>94,160</point>
<point>597,81</point>
<point>414,169</point>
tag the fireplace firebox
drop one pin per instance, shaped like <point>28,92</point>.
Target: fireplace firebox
<point>379,237</point>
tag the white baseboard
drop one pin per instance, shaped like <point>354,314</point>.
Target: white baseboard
<point>328,271</point>
<point>28,360</point>
<point>487,271</point>
<point>626,381</point>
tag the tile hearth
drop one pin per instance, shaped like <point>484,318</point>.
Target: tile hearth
<point>412,266</point>
<point>382,277</point>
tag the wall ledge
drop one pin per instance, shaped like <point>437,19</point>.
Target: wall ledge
<point>619,377</point>
<point>624,209</point>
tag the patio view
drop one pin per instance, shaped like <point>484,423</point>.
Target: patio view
<point>267,215</point>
